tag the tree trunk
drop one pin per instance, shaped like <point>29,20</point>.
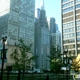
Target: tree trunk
<point>19,74</point>
<point>8,75</point>
<point>23,74</point>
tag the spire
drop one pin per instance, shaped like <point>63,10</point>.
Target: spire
<point>42,4</point>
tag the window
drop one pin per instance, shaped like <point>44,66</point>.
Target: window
<point>68,35</point>
<point>77,1</point>
<point>77,6</point>
<point>77,11</point>
<point>78,39</point>
<point>67,4</point>
<point>78,28</point>
<point>69,41</point>
<point>68,30</point>
<point>67,9</point>
<point>68,24</point>
<point>65,1</point>
<point>70,46</point>
<point>78,45</point>
<point>68,14</point>
<point>78,22</point>
<point>78,33</point>
<point>78,51</point>
<point>68,19</point>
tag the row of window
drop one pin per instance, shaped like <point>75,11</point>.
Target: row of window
<point>68,35</point>
<point>68,30</point>
<point>65,0</point>
<point>71,29</point>
<point>77,1</point>
<point>78,28</point>
<point>70,46</point>
<point>67,14</point>
<point>78,45</point>
<point>68,4</point>
<point>69,0</point>
<point>70,8</point>
<point>67,9</point>
<point>71,14</point>
<point>71,24</point>
<point>71,35</point>
<point>78,33</point>
<point>68,19</point>
<point>78,39</point>
<point>71,41</point>
<point>77,6</point>
<point>68,24</point>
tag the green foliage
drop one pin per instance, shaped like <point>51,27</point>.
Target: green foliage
<point>55,53</point>
<point>22,55</point>
<point>55,60</point>
<point>55,66</point>
<point>76,64</point>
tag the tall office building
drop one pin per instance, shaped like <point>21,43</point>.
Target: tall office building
<point>55,39</point>
<point>57,28</point>
<point>37,13</point>
<point>52,25</point>
<point>17,21</point>
<point>42,40</point>
<point>54,33</point>
<point>71,26</point>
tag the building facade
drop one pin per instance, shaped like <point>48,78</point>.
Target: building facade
<point>55,34</point>
<point>37,13</point>
<point>42,41</point>
<point>52,25</point>
<point>17,21</point>
<point>71,26</point>
<point>55,39</point>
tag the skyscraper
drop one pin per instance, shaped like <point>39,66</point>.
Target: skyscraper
<point>37,13</point>
<point>71,26</point>
<point>52,25</point>
<point>42,40</point>
<point>54,32</point>
<point>17,21</point>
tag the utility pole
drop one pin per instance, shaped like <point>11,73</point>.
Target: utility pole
<point>3,56</point>
<point>66,51</point>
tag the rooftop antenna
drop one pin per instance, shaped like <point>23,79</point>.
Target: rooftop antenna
<point>42,4</point>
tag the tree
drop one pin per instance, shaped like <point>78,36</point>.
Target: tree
<point>22,56</point>
<point>76,63</point>
<point>55,60</point>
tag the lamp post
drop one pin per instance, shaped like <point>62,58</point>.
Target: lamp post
<point>3,56</point>
<point>66,51</point>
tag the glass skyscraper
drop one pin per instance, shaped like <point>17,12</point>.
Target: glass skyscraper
<point>17,21</point>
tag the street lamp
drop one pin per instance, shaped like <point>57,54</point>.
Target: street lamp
<point>3,55</point>
<point>65,52</point>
